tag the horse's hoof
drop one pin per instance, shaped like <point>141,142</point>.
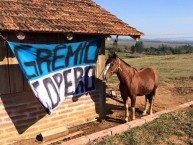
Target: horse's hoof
<point>144,113</point>
<point>133,118</point>
<point>126,120</point>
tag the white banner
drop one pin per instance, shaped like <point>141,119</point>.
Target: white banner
<point>57,71</point>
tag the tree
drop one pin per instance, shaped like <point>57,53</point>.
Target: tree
<point>138,47</point>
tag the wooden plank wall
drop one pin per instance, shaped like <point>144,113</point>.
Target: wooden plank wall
<point>4,70</point>
<point>15,73</point>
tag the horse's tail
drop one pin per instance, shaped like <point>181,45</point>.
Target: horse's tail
<point>156,78</point>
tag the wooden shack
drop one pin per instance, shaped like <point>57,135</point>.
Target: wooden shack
<point>49,21</point>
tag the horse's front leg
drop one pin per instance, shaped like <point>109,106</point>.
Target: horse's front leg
<point>133,100</point>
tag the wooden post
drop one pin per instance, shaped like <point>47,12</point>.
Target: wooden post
<point>101,84</point>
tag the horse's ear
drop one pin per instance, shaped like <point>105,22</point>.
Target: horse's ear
<point>112,54</point>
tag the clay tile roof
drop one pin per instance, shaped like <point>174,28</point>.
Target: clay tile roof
<point>76,16</point>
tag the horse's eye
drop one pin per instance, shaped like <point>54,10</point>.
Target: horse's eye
<point>112,64</point>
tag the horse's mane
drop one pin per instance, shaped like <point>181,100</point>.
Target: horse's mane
<point>127,64</point>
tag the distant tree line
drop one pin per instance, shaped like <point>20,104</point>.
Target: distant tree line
<point>166,50</point>
<point>160,50</point>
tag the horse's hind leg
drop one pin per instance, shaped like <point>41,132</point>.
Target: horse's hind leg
<point>151,105</point>
<point>133,100</point>
<point>150,98</point>
<point>148,103</point>
<point>146,106</point>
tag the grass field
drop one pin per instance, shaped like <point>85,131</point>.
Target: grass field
<point>170,129</point>
<point>176,68</point>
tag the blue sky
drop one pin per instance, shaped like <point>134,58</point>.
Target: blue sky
<point>165,19</point>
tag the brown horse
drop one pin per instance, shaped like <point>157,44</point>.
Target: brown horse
<point>132,83</point>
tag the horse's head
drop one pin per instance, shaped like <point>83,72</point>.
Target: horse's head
<point>112,66</point>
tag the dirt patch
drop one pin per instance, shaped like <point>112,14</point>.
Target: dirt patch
<point>166,97</point>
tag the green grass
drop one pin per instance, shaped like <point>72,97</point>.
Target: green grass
<point>172,128</point>
<point>172,67</point>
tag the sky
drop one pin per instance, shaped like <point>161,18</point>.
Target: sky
<point>158,19</point>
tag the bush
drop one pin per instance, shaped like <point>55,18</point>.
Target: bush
<point>138,48</point>
<point>183,49</point>
<point>167,50</point>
